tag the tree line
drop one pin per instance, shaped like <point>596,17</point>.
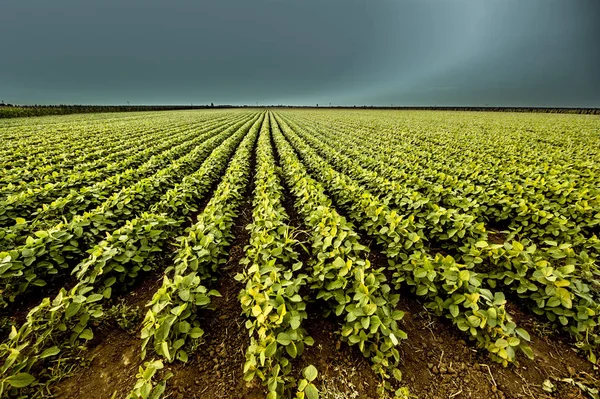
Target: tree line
<point>14,111</point>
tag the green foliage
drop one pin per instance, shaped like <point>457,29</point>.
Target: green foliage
<point>273,277</point>
<point>171,324</point>
<point>114,262</point>
<point>468,213</point>
<point>341,275</point>
<point>439,279</point>
<point>447,198</point>
<point>125,316</point>
<point>306,386</point>
<point>47,252</point>
<point>144,387</point>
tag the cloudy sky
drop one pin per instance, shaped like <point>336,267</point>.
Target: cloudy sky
<point>379,52</point>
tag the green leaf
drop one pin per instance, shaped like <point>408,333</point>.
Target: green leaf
<point>38,282</point>
<point>454,310</point>
<point>302,384</point>
<point>338,263</point>
<point>165,348</point>
<point>72,309</point>
<point>158,391</point>
<point>86,334</point>
<point>565,297</point>
<point>568,269</point>
<point>20,380</point>
<point>50,352</point>
<point>184,295</point>
<point>271,349</point>
<point>474,321</point>
<point>283,339</point>
<point>370,309</point>
<point>94,298</point>
<point>553,302</point>
<point>295,322</point>
<point>292,350</point>
<point>311,392</point>
<point>182,355</point>
<point>310,373</point>
<point>464,275</point>
<point>347,330</point>
<point>272,384</point>
<point>196,332</point>
<point>527,351</point>
<point>523,334</point>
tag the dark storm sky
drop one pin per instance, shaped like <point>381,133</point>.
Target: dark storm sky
<point>419,52</point>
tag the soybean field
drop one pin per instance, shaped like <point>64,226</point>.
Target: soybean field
<point>300,253</point>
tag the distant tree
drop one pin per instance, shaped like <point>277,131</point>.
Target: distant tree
<point>212,105</point>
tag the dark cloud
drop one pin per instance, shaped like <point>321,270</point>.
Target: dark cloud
<point>535,52</point>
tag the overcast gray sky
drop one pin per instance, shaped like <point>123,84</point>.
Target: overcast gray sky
<point>381,52</point>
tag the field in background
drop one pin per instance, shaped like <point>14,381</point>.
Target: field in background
<point>19,111</point>
<point>294,253</point>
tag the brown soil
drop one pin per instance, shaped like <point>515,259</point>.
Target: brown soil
<point>497,237</point>
<point>216,369</point>
<point>16,312</point>
<point>343,371</point>
<point>114,355</point>
<point>438,363</point>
